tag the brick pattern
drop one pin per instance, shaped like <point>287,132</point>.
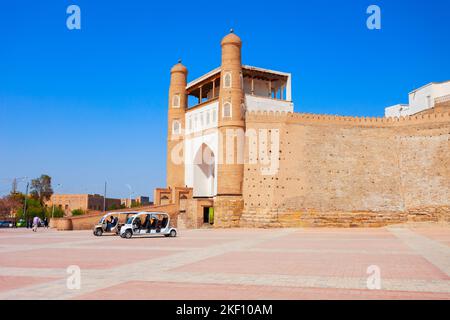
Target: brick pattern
<point>227,211</point>
<point>345,171</point>
<point>315,263</point>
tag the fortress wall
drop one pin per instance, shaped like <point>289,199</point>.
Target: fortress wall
<point>346,171</point>
<point>424,154</point>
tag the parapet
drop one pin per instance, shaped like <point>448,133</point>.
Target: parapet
<point>324,119</point>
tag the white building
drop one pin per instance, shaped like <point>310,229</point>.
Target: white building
<point>420,99</point>
<point>264,90</point>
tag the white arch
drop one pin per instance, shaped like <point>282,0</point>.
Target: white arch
<point>204,174</point>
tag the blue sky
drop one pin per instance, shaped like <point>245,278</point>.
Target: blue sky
<point>89,105</point>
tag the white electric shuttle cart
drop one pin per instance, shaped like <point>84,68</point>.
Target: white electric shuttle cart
<point>148,224</point>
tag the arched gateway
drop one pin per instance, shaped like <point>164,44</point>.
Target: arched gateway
<point>204,172</point>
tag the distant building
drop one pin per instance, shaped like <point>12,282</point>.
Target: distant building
<point>138,201</point>
<point>428,97</point>
<point>69,202</point>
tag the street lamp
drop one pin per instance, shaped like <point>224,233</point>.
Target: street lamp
<point>131,192</point>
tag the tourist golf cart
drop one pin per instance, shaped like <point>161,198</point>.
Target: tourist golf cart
<point>104,225</point>
<point>148,224</point>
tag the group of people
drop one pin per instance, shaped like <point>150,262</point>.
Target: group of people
<point>153,223</point>
<point>36,222</point>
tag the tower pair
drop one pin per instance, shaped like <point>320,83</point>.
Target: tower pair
<point>230,120</point>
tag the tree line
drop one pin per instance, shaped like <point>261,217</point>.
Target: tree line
<point>27,206</point>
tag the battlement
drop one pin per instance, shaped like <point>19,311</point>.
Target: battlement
<point>324,119</point>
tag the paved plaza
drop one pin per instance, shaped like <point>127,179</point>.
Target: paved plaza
<point>413,261</point>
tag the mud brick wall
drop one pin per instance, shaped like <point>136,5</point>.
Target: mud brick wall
<point>347,171</point>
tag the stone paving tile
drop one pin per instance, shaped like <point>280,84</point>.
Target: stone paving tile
<point>84,258</point>
<point>333,244</point>
<point>436,253</point>
<point>188,291</point>
<point>318,264</point>
<point>14,282</point>
<point>342,233</point>
<point>260,263</point>
<point>26,241</point>
<point>163,242</point>
<point>441,235</point>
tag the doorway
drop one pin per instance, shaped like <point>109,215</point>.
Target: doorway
<point>208,215</point>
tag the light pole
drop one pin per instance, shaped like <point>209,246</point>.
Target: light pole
<point>131,193</point>
<point>14,191</point>
<point>25,203</point>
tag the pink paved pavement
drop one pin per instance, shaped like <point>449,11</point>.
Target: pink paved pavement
<point>414,263</point>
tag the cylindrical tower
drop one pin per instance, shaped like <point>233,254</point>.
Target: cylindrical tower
<point>231,118</point>
<point>176,126</point>
<point>228,204</point>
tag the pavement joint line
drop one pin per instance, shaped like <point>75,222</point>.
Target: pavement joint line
<point>159,269</point>
<point>153,265</point>
<point>180,248</point>
<point>435,252</point>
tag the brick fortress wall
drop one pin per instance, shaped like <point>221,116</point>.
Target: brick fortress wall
<point>348,171</point>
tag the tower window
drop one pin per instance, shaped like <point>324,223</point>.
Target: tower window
<point>226,112</point>
<point>227,80</point>
<point>176,127</point>
<point>176,101</point>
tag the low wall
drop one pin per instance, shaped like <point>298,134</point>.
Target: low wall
<point>88,221</point>
<point>314,218</point>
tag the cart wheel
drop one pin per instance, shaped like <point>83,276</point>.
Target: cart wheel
<point>173,233</point>
<point>128,234</point>
<point>98,232</point>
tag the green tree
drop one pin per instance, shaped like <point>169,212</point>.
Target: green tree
<point>41,188</point>
<point>135,204</point>
<point>77,212</point>
<point>113,207</point>
<point>57,212</point>
<point>34,209</point>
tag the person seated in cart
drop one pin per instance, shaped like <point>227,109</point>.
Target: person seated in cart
<point>146,224</point>
<point>110,223</point>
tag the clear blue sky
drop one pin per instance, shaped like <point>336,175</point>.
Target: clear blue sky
<point>89,105</point>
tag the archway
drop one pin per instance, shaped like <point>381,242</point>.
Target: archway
<point>165,200</point>
<point>204,172</point>
<point>183,200</point>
